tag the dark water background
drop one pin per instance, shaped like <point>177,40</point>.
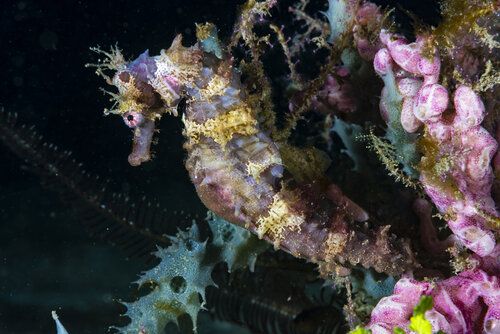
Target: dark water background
<point>47,260</point>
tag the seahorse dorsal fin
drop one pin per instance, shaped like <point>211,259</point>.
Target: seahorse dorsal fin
<point>177,42</point>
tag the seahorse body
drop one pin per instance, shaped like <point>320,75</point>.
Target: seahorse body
<point>238,170</point>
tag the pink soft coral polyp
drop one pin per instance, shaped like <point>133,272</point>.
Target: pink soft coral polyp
<point>430,102</point>
<point>462,143</point>
<point>468,107</point>
<point>466,303</point>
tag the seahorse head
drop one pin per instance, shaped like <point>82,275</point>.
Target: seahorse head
<point>149,87</point>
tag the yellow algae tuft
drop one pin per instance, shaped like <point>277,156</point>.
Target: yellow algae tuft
<point>459,15</point>
<point>437,168</point>
<point>222,128</point>
<point>306,164</point>
<point>279,216</point>
<point>113,60</point>
<point>203,30</point>
<point>215,87</point>
<point>387,155</point>
<point>180,62</point>
<point>254,169</point>
<point>335,244</point>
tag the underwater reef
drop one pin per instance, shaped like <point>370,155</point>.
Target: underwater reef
<point>370,170</point>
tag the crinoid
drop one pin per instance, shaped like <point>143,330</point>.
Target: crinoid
<point>136,227</point>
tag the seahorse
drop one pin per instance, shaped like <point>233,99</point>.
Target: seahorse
<point>236,167</point>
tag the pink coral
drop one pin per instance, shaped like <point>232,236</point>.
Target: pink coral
<point>408,56</point>
<point>463,149</point>
<point>496,160</point>
<point>473,148</point>
<point>430,102</point>
<point>466,303</point>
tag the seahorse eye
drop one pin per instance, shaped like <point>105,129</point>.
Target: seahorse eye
<point>132,118</point>
<point>124,76</point>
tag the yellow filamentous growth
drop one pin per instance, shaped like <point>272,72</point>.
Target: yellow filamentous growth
<point>203,30</point>
<point>215,87</point>
<point>182,63</point>
<point>386,152</point>
<point>254,169</point>
<point>279,216</point>
<point>222,128</point>
<point>462,15</point>
<point>113,60</point>
<point>127,97</point>
<point>305,163</point>
<point>168,95</point>
<point>335,244</point>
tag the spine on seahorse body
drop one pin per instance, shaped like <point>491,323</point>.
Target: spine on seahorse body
<point>238,170</point>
